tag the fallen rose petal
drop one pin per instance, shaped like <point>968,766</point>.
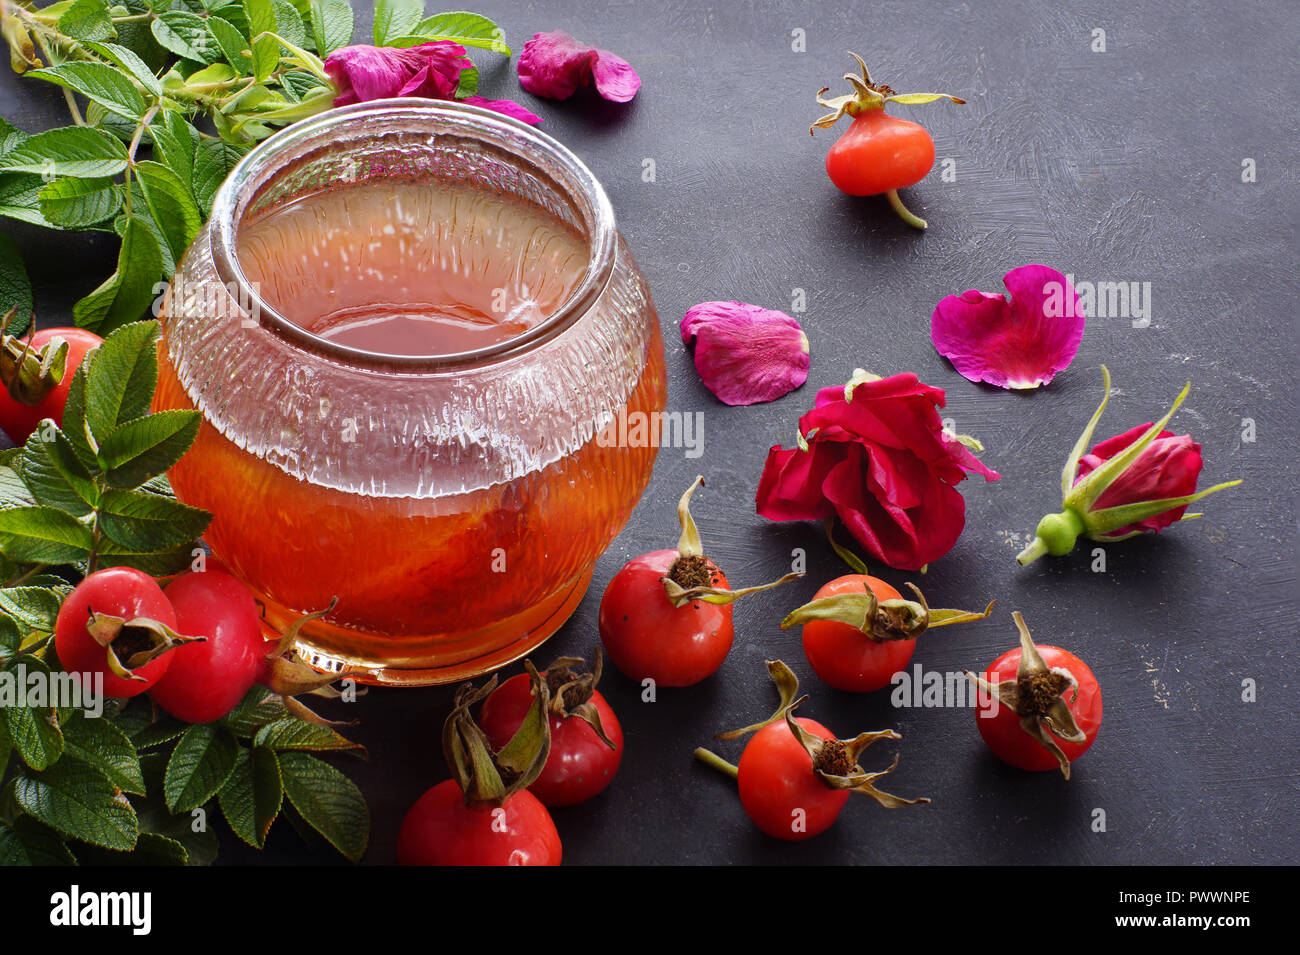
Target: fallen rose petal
<point>1018,344</point>
<point>746,354</point>
<point>555,64</point>
<point>505,107</point>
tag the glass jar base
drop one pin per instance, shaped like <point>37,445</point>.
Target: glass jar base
<point>429,659</point>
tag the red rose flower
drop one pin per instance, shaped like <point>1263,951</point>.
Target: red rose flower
<point>875,453</point>
<point>1168,467</point>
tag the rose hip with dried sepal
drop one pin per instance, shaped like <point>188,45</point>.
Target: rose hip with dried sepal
<point>666,616</point>
<point>794,776</point>
<point>1042,706</point>
<point>484,814</point>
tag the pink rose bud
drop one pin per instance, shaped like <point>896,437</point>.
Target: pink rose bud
<point>746,354</point>
<point>1136,482</point>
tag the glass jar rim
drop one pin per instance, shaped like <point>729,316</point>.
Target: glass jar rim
<point>259,166</point>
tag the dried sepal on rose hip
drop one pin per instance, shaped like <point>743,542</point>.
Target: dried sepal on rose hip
<point>878,153</point>
<point>1042,706</point>
<point>29,372</point>
<point>666,615</point>
<point>858,631</point>
<point>794,775</point>
<point>484,814</point>
<point>1137,482</point>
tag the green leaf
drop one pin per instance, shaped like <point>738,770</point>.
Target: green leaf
<point>331,25</point>
<point>252,713</point>
<point>266,49</point>
<point>27,842</point>
<point>328,801</point>
<point>79,802</point>
<point>175,142</point>
<point>77,203</point>
<point>290,732</point>
<point>68,151</point>
<point>148,523</point>
<point>251,798</point>
<point>186,35</point>
<point>20,194</point>
<point>172,205</point>
<point>160,731</point>
<point>10,136</point>
<point>130,61</point>
<point>394,18</point>
<point>87,20</point>
<point>289,23</point>
<point>74,417</point>
<point>33,607</point>
<point>199,766</point>
<point>42,535</point>
<point>100,83</point>
<point>122,377</point>
<point>467,29</point>
<point>161,564</point>
<point>34,731</point>
<point>151,849</point>
<point>233,44</point>
<point>128,292</point>
<point>145,447</point>
<point>200,842</point>
<point>15,286</point>
<point>212,164</point>
<point>145,218</point>
<point>13,490</point>
<point>101,744</point>
<point>55,474</point>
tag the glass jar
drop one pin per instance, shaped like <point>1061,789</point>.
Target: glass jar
<point>454,504</point>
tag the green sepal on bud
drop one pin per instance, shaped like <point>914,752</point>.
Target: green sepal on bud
<point>489,777</point>
<point>1056,534</point>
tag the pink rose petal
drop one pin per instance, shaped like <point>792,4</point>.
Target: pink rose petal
<point>1022,343</point>
<point>746,354</point>
<point>555,64</point>
<point>505,107</point>
<point>364,73</point>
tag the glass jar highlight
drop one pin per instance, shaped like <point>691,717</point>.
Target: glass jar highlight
<point>454,503</point>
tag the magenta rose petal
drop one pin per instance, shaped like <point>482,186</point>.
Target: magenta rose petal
<point>364,73</point>
<point>745,354</point>
<point>555,64</point>
<point>1021,343</point>
<point>505,107</point>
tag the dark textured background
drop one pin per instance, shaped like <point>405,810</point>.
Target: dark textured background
<point>1115,166</point>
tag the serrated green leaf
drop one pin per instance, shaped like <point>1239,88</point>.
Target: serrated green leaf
<point>186,35</point>
<point>55,474</point>
<point>160,731</point>
<point>289,23</point>
<point>149,523</point>
<point>233,44</point>
<point>328,801</point>
<point>121,378</point>
<point>290,732</point>
<point>27,842</point>
<point>10,136</point>
<point>251,798</point>
<point>76,203</point>
<point>331,25</point>
<point>394,18</point>
<point>151,849</point>
<point>467,29</point>
<point>212,164</point>
<point>32,606</point>
<point>68,151</point>
<point>15,286</point>
<point>79,802</point>
<point>20,194</point>
<point>175,142</point>
<point>145,447</point>
<point>160,564</point>
<point>99,743</point>
<point>200,841</point>
<point>42,535</point>
<point>74,417</point>
<point>87,20</point>
<point>200,764</point>
<point>100,83</point>
<point>34,731</point>
<point>13,490</point>
<point>172,205</point>
<point>131,62</point>
<point>128,292</point>
<point>266,49</point>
